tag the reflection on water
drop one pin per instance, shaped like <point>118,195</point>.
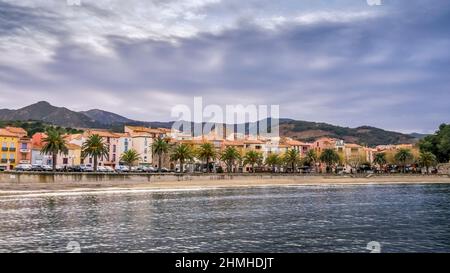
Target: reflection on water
<point>403,218</point>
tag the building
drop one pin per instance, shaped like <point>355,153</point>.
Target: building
<point>110,139</point>
<point>9,142</point>
<point>300,146</point>
<point>37,158</point>
<point>72,158</point>
<point>23,148</point>
<point>124,144</point>
<point>142,140</point>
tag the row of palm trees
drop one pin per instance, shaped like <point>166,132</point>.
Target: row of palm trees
<point>55,144</point>
<point>405,156</point>
<point>95,148</point>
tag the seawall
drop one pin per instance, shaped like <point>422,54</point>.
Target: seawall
<point>49,177</point>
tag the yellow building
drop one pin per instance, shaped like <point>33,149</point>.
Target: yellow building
<point>9,142</point>
<point>72,158</point>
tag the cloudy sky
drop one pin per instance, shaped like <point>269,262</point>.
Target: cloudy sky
<point>339,61</point>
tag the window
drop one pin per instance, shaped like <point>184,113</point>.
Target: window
<point>65,161</point>
<point>24,146</point>
<point>12,145</point>
<point>12,156</point>
<point>114,148</point>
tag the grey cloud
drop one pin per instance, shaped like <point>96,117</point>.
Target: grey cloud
<point>389,71</point>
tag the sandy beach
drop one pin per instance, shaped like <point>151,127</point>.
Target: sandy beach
<point>70,188</point>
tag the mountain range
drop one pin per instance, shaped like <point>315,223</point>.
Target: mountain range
<point>300,130</point>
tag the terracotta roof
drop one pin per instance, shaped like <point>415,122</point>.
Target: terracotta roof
<point>192,141</point>
<point>138,129</point>
<point>248,141</point>
<point>166,130</point>
<point>141,134</point>
<point>17,130</point>
<point>123,134</point>
<point>100,133</point>
<point>6,133</point>
<point>352,145</point>
<point>71,146</point>
<point>233,143</point>
<point>296,143</point>
<point>73,136</point>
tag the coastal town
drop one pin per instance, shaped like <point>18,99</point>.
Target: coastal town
<point>226,153</point>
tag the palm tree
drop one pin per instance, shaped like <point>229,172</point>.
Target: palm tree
<point>54,144</point>
<point>427,160</point>
<point>292,158</point>
<point>230,155</point>
<point>329,157</point>
<point>252,158</point>
<point>207,153</point>
<point>403,156</point>
<point>273,160</point>
<point>130,157</point>
<point>182,153</point>
<point>311,158</point>
<point>380,160</point>
<point>96,148</point>
<point>160,147</point>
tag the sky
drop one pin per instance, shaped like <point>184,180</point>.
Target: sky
<point>343,62</point>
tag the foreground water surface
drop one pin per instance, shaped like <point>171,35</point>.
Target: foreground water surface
<point>402,218</point>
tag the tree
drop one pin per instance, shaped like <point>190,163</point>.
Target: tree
<point>329,157</point>
<point>292,158</point>
<point>54,144</point>
<point>356,160</point>
<point>160,147</point>
<point>438,144</point>
<point>311,158</point>
<point>273,160</point>
<point>252,158</point>
<point>95,148</point>
<point>130,157</point>
<point>206,152</point>
<point>427,160</point>
<point>230,155</point>
<point>380,160</point>
<point>182,153</point>
<point>403,156</point>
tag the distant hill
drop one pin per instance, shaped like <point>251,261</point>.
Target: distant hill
<point>44,111</point>
<point>418,136</point>
<point>300,130</point>
<point>105,117</point>
<point>365,135</point>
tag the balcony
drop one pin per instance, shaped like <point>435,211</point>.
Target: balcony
<point>25,162</point>
<point>12,149</point>
<point>12,161</point>
<point>25,151</point>
<point>4,149</point>
<point>4,160</point>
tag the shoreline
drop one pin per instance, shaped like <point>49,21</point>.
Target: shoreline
<point>37,189</point>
